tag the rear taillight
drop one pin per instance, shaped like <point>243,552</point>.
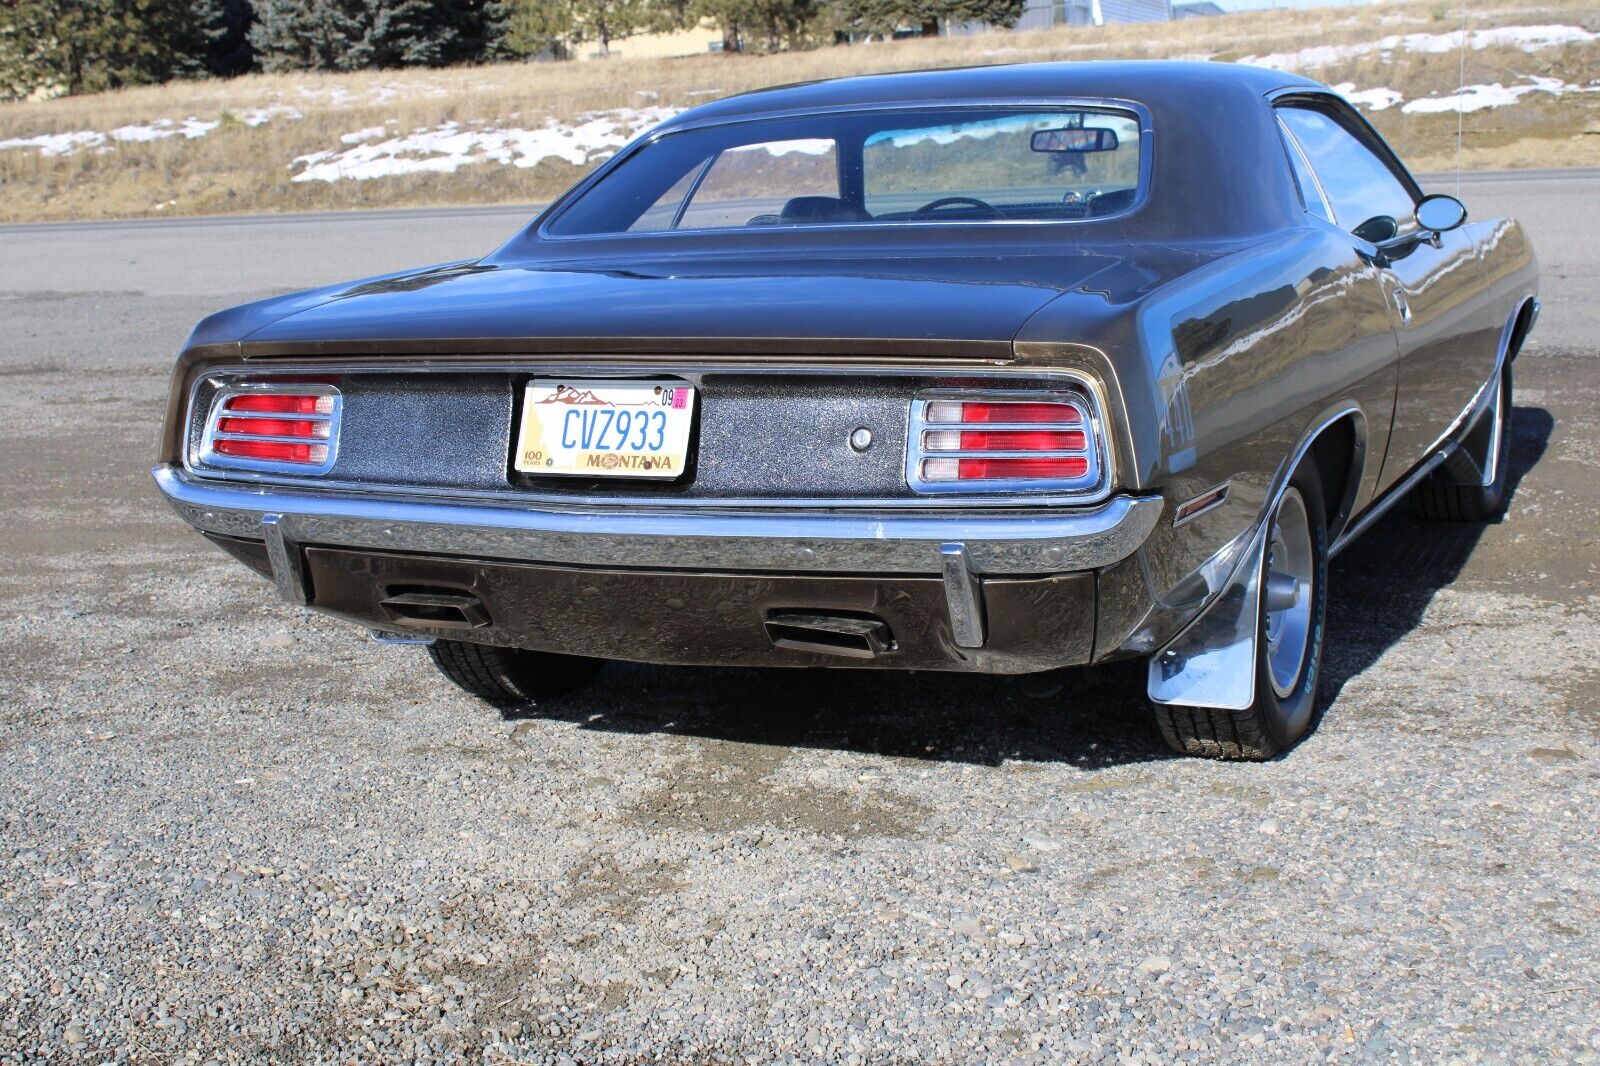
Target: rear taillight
<point>276,427</point>
<point>996,443</point>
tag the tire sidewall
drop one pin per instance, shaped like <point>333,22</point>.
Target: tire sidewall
<point>1286,719</point>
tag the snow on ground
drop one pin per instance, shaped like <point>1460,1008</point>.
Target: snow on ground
<point>1371,99</point>
<point>1481,97</point>
<point>450,146</point>
<point>1526,38</point>
<point>1470,98</point>
<point>159,130</point>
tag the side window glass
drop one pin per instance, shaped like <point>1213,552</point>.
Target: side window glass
<point>1310,191</point>
<point>660,215</point>
<point>1358,185</point>
<point>759,182</point>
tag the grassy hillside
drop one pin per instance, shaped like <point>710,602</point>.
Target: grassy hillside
<point>521,133</point>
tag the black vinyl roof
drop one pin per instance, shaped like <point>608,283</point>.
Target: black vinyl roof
<point>1219,169</point>
<point>1150,82</point>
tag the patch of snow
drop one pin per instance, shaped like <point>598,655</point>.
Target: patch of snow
<point>189,129</point>
<point>1371,99</point>
<point>357,136</point>
<point>1526,38</point>
<point>448,147</point>
<point>260,116</point>
<point>702,92</point>
<point>161,129</point>
<point>57,143</point>
<point>1483,97</point>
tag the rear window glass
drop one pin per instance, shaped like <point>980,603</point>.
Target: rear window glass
<point>886,167</point>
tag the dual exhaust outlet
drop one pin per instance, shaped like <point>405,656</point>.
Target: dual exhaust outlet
<point>853,636</point>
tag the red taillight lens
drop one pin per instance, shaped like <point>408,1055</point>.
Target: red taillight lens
<point>275,451</point>
<point>950,440</point>
<point>275,427</point>
<point>264,426</point>
<point>998,468</point>
<point>968,411</point>
<point>1003,445</point>
<point>281,403</point>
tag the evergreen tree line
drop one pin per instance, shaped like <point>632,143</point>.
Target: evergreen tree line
<point>91,45</point>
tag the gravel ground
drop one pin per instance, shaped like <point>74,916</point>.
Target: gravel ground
<point>233,831</point>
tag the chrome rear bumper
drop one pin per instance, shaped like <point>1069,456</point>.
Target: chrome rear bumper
<point>1019,542</point>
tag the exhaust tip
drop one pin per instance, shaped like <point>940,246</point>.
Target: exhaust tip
<point>435,609</point>
<point>850,636</point>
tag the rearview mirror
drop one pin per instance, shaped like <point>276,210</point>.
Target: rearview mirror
<point>1075,139</point>
<point>1440,213</point>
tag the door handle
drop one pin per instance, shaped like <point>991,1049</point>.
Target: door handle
<point>1402,305</point>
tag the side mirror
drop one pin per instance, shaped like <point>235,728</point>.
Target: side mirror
<point>1377,229</point>
<point>1440,213</point>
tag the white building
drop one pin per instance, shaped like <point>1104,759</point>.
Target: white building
<point>1043,14</point>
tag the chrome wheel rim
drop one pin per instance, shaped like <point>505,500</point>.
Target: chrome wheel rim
<point>1288,578</point>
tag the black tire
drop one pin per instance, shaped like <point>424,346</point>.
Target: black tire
<point>1439,499</point>
<point>1274,722</point>
<point>511,675</point>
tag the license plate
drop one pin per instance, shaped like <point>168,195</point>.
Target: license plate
<point>605,428</point>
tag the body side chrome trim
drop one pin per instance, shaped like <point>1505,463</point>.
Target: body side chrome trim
<point>1396,493</point>
<point>1032,542</point>
<point>1444,448</point>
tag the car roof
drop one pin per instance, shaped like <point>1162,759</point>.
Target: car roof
<point>1150,82</point>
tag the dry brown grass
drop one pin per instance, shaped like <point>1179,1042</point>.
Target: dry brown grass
<point>239,169</point>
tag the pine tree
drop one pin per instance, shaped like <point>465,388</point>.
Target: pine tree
<point>776,22</point>
<point>91,45</point>
<point>604,21</point>
<point>367,34</point>
<point>307,34</point>
<point>886,16</point>
<point>225,29</point>
<point>532,28</point>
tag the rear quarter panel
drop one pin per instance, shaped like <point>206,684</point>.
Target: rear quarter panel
<point>1220,374</point>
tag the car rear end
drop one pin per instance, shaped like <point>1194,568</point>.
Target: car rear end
<point>754,513</point>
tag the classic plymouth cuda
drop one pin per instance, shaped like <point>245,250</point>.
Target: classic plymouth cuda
<point>999,370</point>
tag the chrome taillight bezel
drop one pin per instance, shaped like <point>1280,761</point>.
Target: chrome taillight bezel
<point>1091,486</point>
<point>203,453</point>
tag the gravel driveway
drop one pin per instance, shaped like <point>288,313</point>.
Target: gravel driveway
<point>234,831</point>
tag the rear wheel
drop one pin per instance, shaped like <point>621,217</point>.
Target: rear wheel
<point>1291,621</point>
<point>1439,499</point>
<point>510,675</point>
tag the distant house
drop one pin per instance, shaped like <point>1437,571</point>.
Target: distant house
<point>1043,14</point>
<point>1196,9</point>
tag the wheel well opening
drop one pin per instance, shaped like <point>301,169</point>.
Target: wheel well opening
<point>1335,451</point>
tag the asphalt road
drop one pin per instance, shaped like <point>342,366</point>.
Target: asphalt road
<point>230,830</point>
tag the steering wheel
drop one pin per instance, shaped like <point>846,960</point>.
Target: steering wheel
<point>948,201</point>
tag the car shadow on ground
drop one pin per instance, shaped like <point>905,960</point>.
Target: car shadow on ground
<point>1380,587</point>
<point>1090,718</point>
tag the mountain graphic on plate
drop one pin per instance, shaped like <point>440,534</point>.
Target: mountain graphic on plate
<point>584,398</point>
<point>568,394</point>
